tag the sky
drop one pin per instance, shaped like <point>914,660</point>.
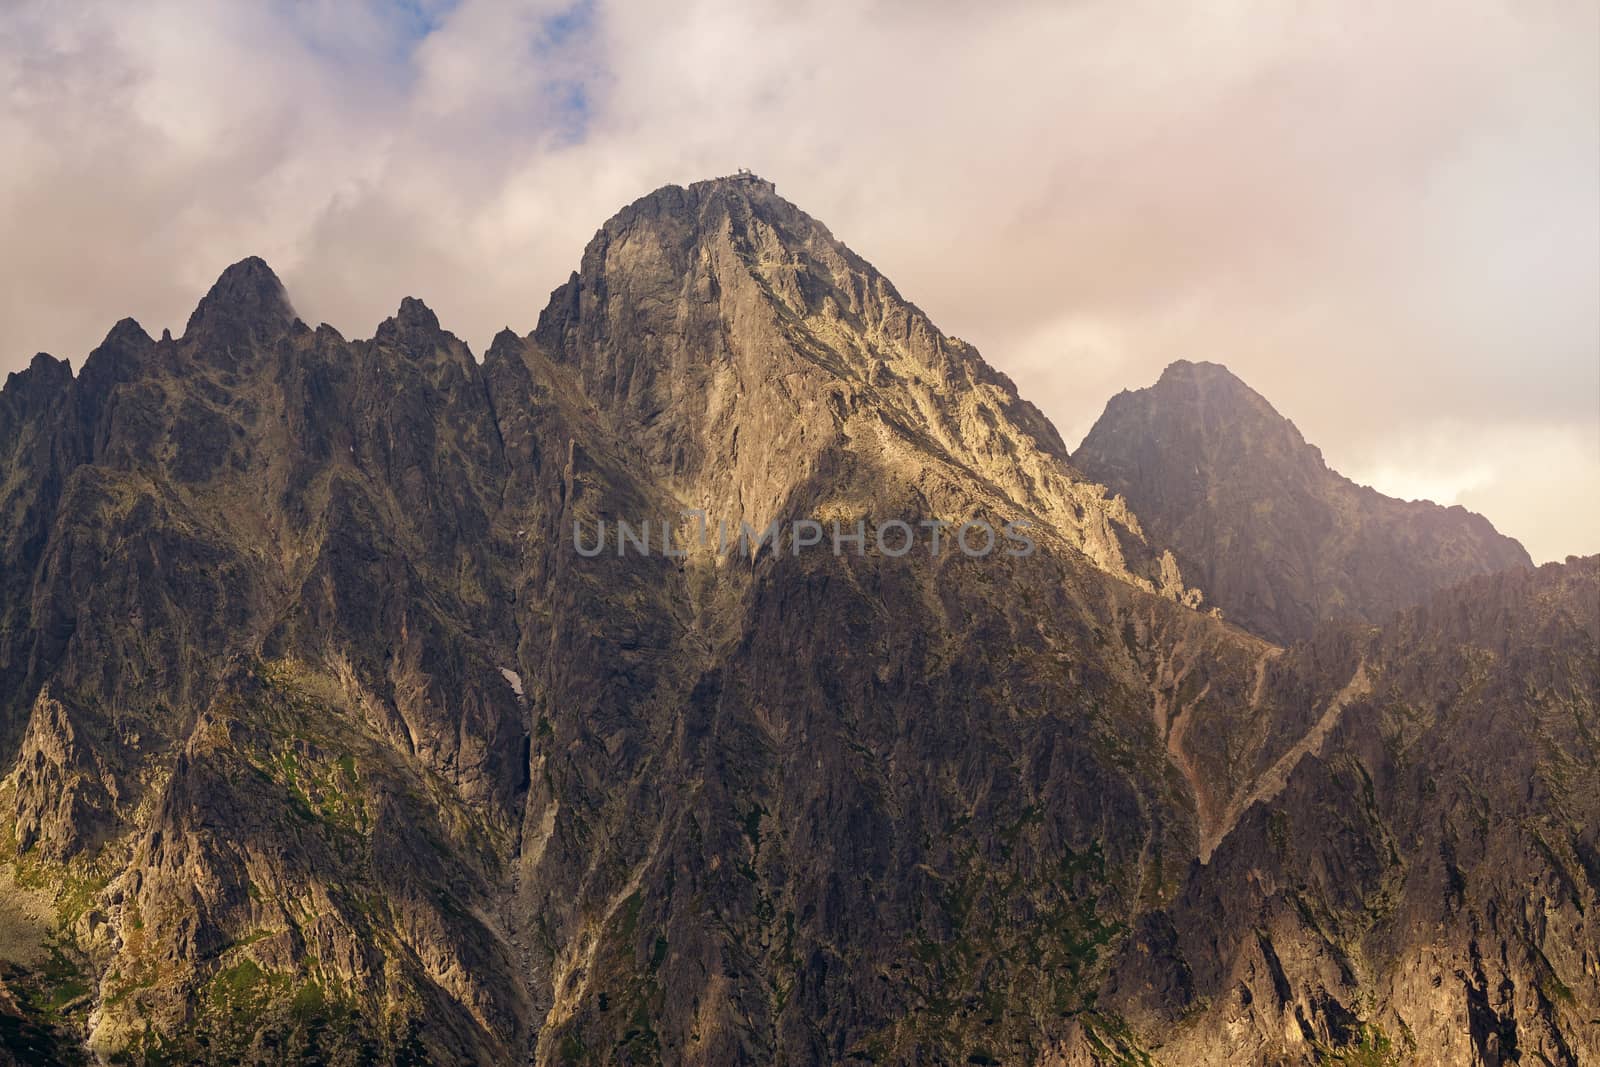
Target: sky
<point>1384,217</point>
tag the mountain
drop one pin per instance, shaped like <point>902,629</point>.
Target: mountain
<point>1277,540</point>
<point>328,738</point>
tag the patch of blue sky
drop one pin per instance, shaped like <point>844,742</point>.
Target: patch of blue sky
<point>564,42</point>
<point>385,32</point>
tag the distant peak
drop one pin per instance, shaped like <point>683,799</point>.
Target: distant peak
<point>1183,370</point>
<point>43,372</point>
<point>415,314</point>
<point>43,363</point>
<point>1201,386</point>
<point>505,343</point>
<point>414,331</point>
<point>250,269</point>
<point>747,180</point>
<point>414,325</point>
<point>127,331</point>
<point>1278,540</point>
<point>120,355</point>
<point>247,299</point>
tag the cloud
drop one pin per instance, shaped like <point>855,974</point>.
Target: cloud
<point>1383,217</point>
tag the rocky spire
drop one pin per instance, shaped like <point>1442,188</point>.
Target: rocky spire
<point>247,304</point>
<point>43,373</point>
<point>414,328</point>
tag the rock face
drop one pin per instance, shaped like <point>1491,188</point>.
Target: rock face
<point>742,349</point>
<point>1419,885</point>
<point>329,744</point>
<point>1277,540</point>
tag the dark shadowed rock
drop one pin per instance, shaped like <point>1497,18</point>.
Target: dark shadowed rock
<point>1277,540</point>
<point>247,305</point>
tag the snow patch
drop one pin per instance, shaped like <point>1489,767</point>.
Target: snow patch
<point>513,679</point>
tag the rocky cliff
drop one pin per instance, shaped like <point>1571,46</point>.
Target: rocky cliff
<point>1277,540</point>
<point>324,742</point>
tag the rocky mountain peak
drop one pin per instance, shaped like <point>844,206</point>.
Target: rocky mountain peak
<point>1213,381</point>
<point>1198,371</point>
<point>1278,540</point>
<point>117,358</point>
<point>43,372</point>
<point>413,329</point>
<point>688,203</point>
<point>127,333</point>
<point>504,343</point>
<point>742,348</point>
<point>31,390</point>
<point>1215,410</point>
<point>247,303</point>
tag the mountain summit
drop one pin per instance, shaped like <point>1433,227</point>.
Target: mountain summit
<point>743,349</point>
<point>247,303</point>
<point>1257,519</point>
